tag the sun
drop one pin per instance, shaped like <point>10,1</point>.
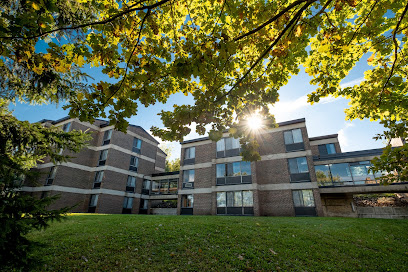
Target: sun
<point>254,122</point>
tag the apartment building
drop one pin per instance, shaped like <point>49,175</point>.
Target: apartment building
<point>296,176</point>
<point>105,177</point>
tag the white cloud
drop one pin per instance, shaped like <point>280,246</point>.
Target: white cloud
<point>342,134</point>
<point>352,83</point>
<point>285,108</point>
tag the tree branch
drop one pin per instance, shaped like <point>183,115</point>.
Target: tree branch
<point>260,58</point>
<point>395,52</point>
<point>365,19</point>
<point>130,58</point>
<point>114,17</point>
<point>274,18</point>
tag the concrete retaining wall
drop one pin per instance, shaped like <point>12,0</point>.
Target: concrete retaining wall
<point>164,211</point>
<point>383,212</point>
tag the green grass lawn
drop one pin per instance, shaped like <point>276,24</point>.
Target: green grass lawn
<point>219,243</point>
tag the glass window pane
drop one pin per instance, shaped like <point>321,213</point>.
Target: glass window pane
<point>248,199</point>
<point>340,172</point>
<point>155,187</point>
<point>173,186</point>
<point>308,199</point>
<point>66,127</point>
<point>293,167</point>
<point>238,199</point>
<point>53,172</point>
<point>131,181</point>
<point>235,143</point>
<point>302,165</point>
<point>228,143</point>
<point>104,155</point>
<point>221,199</point>
<point>288,137</point>
<point>245,168</point>
<point>220,170</point>
<point>297,136</point>
<point>230,199</point>
<point>331,149</point>
<point>190,200</point>
<point>128,203</point>
<point>297,198</point>
<point>360,173</point>
<point>99,176</point>
<point>323,174</point>
<point>146,184</point>
<point>164,187</point>
<point>221,145</point>
<point>230,171</point>
<point>94,200</point>
<point>187,201</point>
<point>191,176</point>
<point>107,135</point>
<point>236,168</point>
<point>139,144</point>
<point>186,175</point>
<point>192,152</point>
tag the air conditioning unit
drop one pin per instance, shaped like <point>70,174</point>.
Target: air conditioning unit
<point>188,185</point>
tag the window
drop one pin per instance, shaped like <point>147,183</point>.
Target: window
<point>134,163</point>
<point>235,203</point>
<point>187,201</point>
<point>143,204</point>
<point>51,175</point>
<point>234,173</point>
<point>303,198</point>
<point>298,165</point>
<point>228,147</point>
<point>102,157</point>
<point>188,179</point>
<point>137,145</point>
<point>293,140</point>
<point>66,127</point>
<point>98,179</point>
<point>299,170</point>
<point>293,136</point>
<point>323,175</point>
<point>107,137</point>
<point>360,172</point>
<point>146,187</point>
<point>354,173</point>
<point>327,149</point>
<point>189,153</point>
<point>127,205</point>
<point>155,187</point>
<point>92,203</point>
<point>340,172</point>
<point>131,184</point>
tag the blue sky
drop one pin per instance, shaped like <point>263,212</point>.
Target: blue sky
<point>325,117</point>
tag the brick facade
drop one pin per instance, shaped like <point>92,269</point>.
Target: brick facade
<point>74,181</point>
<point>279,184</point>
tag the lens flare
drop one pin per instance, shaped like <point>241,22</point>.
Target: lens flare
<point>254,122</point>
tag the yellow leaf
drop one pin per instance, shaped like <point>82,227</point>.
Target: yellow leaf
<point>35,6</point>
<point>324,48</point>
<point>298,31</point>
<point>370,59</point>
